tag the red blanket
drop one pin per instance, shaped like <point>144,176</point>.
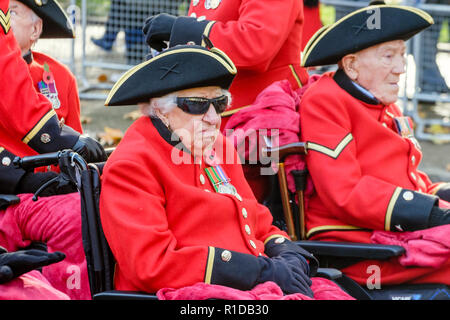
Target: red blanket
<point>56,221</point>
<point>30,286</point>
<point>323,290</point>
<point>424,248</point>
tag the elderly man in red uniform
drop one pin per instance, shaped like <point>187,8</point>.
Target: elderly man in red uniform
<point>362,154</point>
<point>29,123</point>
<point>30,22</point>
<point>175,206</point>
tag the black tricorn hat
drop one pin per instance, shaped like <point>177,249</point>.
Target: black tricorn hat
<point>55,22</point>
<point>178,68</point>
<point>362,29</point>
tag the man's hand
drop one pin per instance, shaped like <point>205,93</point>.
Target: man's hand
<point>14,264</point>
<point>90,149</point>
<point>157,29</point>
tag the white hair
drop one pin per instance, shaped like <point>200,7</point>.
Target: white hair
<point>166,103</point>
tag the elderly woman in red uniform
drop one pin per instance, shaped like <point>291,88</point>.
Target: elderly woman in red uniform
<point>175,206</point>
<point>363,157</point>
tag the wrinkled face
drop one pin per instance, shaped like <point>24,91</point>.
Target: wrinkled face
<point>197,132</point>
<point>26,26</point>
<point>378,69</point>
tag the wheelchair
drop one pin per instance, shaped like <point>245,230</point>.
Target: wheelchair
<point>333,254</point>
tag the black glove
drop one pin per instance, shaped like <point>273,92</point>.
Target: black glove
<point>31,182</point>
<point>439,217</point>
<point>157,29</point>
<point>90,149</point>
<point>286,272</point>
<point>444,192</point>
<point>14,264</point>
<point>278,246</point>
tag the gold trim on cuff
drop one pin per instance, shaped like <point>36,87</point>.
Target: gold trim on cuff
<point>390,208</point>
<point>209,265</point>
<point>39,126</point>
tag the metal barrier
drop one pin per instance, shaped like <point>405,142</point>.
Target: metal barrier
<point>112,39</point>
<point>424,94</point>
<point>429,79</point>
<point>62,49</point>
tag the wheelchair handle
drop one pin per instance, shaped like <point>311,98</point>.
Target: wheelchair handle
<point>47,159</point>
<point>41,160</point>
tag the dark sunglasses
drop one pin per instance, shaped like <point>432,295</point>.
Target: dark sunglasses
<point>198,105</point>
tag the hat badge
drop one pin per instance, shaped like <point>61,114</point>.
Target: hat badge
<point>40,3</point>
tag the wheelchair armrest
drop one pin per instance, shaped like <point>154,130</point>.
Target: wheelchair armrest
<point>7,200</point>
<point>123,295</point>
<point>329,273</point>
<point>351,250</point>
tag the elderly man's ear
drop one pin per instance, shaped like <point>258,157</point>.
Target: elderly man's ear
<point>37,30</point>
<point>349,64</point>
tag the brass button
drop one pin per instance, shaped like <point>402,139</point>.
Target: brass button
<point>244,213</point>
<point>226,255</point>
<point>413,160</point>
<point>413,176</point>
<point>6,161</point>
<point>247,229</point>
<point>408,195</point>
<point>238,196</point>
<point>252,244</point>
<point>45,138</point>
<point>280,240</point>
<point>202,179</point>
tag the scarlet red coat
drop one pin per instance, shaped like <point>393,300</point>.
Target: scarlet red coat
<point>27,118</point>
<point>163,219</point>
<point>363,172</point>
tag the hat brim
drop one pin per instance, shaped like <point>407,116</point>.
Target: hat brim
<point>55,22</point>
<point>351,34</point>
<point>178,68</point>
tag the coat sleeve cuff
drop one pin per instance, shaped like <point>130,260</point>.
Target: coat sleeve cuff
<point>232,269</point>
<point>49,136</point>
<point>11,175</point>
<point>409,210</point>
<point>188,29</point>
